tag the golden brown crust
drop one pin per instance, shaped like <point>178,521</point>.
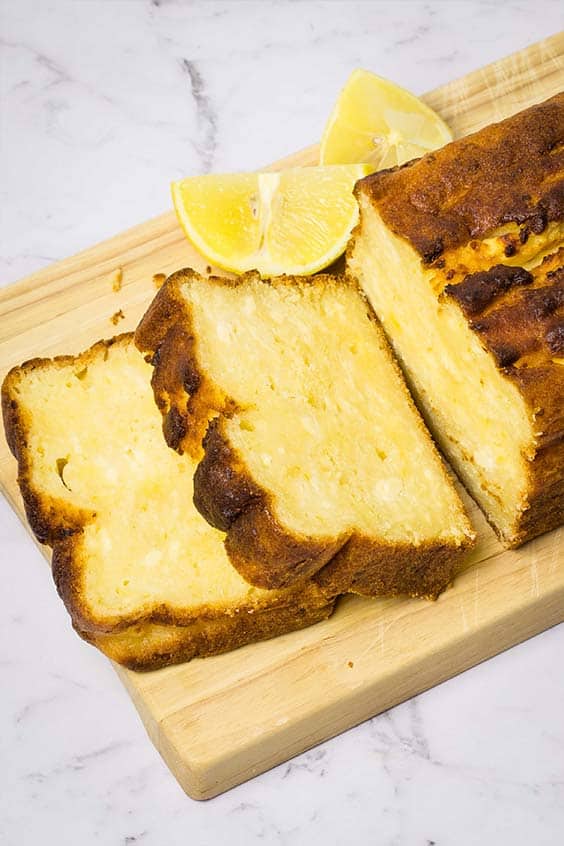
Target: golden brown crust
<point>509,172</point>
<point>390,569</point>
<point>519,318</point>
<point>477,291</point>
<point>518,314</point>
<point>68,567</point>
<point>148,646</point>
<point>542,387</point>
<point>158,634</point>
<point>183,394</point>
<point>263,551</point>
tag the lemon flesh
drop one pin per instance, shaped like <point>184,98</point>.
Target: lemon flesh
<point>378,122</point>
<point>297,221</point>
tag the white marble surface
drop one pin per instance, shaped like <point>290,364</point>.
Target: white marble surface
<point>103,102</point>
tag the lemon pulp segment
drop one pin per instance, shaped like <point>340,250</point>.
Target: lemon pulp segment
<point>296,221</point>
<point>378,122</point>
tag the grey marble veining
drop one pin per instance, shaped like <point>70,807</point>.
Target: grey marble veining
<point>102,105</point>
<point>206,119</point>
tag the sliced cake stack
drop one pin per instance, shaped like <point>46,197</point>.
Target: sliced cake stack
<point>277,460</point>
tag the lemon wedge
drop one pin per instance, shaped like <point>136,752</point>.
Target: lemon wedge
<point>378,122</point>
<point>297,221</point>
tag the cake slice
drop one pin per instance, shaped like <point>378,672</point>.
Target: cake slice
<point>460,254</point>
<point>312,456</point>
<point>143,577</point>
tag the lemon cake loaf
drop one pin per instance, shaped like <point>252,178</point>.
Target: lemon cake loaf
<point>312,456</point>
<point>143,577</point>
<point>461,255</point>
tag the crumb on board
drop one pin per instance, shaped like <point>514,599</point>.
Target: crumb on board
<point>158,279</point>
<point>115,318</point>
<point>209,269</point>
<point>350,664</point>
<point>117,279</point>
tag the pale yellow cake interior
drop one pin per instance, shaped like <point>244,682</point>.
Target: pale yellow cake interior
<point>324,421</point>
<point>477,416</point>
<point>96,443</point>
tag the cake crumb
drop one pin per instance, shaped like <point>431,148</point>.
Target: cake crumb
<point>117,279</point>
<point>350,664</point>
<point>158,279</point>
<point>209,269</point>
<point>115,318</point>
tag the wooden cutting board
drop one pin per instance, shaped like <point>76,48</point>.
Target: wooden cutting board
<point>220,721</point>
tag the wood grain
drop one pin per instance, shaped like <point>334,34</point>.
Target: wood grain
<point>222,720</point>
